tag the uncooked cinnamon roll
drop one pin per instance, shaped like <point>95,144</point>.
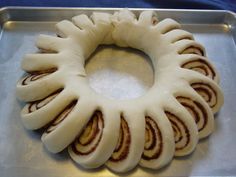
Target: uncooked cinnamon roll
<point>34,106</point>
<point>207,92</point>
<point>153,140</point>
<point>202,66</point>
<point>181,132</point>
<point>60,117</point>
<point>200,112</point>
<point>159,145</point>
<point>122,148</point>
<point>90,137</point>
<point>36,75</point>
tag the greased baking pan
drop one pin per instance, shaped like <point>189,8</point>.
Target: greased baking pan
<point>21,151</point>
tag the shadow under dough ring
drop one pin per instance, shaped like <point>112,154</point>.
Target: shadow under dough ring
<point>150,130</point>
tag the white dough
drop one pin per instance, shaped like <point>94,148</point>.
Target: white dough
<point>60,99</point>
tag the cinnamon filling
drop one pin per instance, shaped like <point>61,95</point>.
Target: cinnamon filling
<point>192,50</point>
<point>207,93</point>
<point>37,75</point>
<point>48,51</point>
<point>179,38</point>
<point>197,111</point>
<point>201,66</point>
<point>61,116</point>
<point>181,132</point>
<point>122,148</point>
<point>90,137</point>
<point>154,20</point>
<point>153,140</point>
<point>33,106</point>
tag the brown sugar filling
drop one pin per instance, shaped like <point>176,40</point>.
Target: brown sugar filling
<point>201,66</point>
<point>60,117</point>
<point>90,137</point>
<point>123,145</point>
<point>33,106</point>
<point>153,140</point>
<point>207,93</point>
<point>36,75</point>
<point>196,110</point>
<point>181,132</point>
<point>192,50</point>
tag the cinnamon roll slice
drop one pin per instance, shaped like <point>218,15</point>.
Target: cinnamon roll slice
<point>40,62</point>
<point>35,114</point>
<point>211,93</point>
<point>148,18</point>
<point>186,46</point>
<point>177,35</point>
<point>37,75</point>
<point>61,117</point>
<point>103,21</point>
<point>55,129</point>
<point>83,22</point>
<point>184,128</point>
<point>66,28</point>
<point>98,24</point>
<point>200,113</point>
<point>153,139</point>
<point>89,139</point>
<point>94,145</point>
<point>159,145</point>
<point>50,44</point>
<point>193,50</point>
<point>129,147</point>
<point>34,106</point>
<point>201,66</point>
<point>181,133</point>
<point>39,84</point>
<point>167,25</point>
<point>122,148</point>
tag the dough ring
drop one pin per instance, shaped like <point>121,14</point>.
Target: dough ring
<point>167,121</point>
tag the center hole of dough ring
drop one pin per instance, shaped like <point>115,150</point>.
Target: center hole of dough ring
<point>119,73</point>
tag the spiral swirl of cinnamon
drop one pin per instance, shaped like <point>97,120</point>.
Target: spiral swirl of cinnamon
<point>201,66</point>
<point>207,92</point>
<point>41,50</point>
<point>123,145</point>
<point>192,50</point>
<point>89,139</point>
<point>197,111</point>
<point>37,75</point>
<point>181,132</point>
<point>33,106</point>
<point>153,140</point>
<point>61,116</point>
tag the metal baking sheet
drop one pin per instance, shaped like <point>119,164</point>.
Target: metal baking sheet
<point>21,151</point>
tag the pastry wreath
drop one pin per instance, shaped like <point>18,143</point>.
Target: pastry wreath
<point>167,121</point>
